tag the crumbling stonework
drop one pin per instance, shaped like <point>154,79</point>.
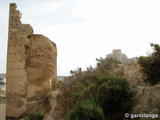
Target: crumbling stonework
<point>41,64</point>
<point>31,64</point>
<point>57,103</point>
<point>133,72</point>
<point>147,98</point>
<point>117,55</point>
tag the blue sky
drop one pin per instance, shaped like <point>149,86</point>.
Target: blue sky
<point>85,30</point>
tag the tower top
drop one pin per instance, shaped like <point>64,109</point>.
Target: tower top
<point>13,5</point>
<point>117,51</point>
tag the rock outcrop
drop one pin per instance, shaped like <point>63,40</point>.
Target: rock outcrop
<point>31,64</point>
<point>57,103</point>
<point>133,72</point>
<point>147,96</point>
<point>148,99</point>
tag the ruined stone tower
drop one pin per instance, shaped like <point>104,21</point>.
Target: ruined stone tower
<point>31,64</point>
<point>119,56</point>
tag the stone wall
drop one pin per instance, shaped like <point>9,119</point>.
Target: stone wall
<point>41,64</point>
<point>31,64</point>
<point>117,55</point>
<point>2,111</point>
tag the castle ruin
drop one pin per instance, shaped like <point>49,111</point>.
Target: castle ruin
<point>31,64</point>
<point>119,56</point>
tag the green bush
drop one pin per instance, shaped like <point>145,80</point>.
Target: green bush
<point>151,65</point>
<point>36,116</point>
<point>85,110</point>
<point>111,93</point>
<point>115,97</point>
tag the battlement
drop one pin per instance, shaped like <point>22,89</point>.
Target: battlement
<point>13,5</point>
<point>117,51</point>
<point>13,8</point>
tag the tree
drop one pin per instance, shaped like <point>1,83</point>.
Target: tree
<point>86,110</point>
<point>151,65</point>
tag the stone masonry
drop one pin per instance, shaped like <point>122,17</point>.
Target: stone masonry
<point>117,55</point>
<point>31,64</point>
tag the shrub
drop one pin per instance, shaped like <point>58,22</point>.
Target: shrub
<point>151,65</point>
<point>106,63</point>
<point>85,110</point>
<point>112,94</point>
<point>115,97</point>
<point>35,116</point>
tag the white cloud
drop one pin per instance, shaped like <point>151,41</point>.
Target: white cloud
<point>50,12</point>
<point>53,6</point>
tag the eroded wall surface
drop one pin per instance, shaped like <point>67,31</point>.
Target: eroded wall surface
<point>2,111</point>
<point>31,64</point>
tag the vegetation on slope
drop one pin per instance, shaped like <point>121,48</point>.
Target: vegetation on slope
<point>86,110</point>
<point>151,65</point>
<point>106,95</point>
